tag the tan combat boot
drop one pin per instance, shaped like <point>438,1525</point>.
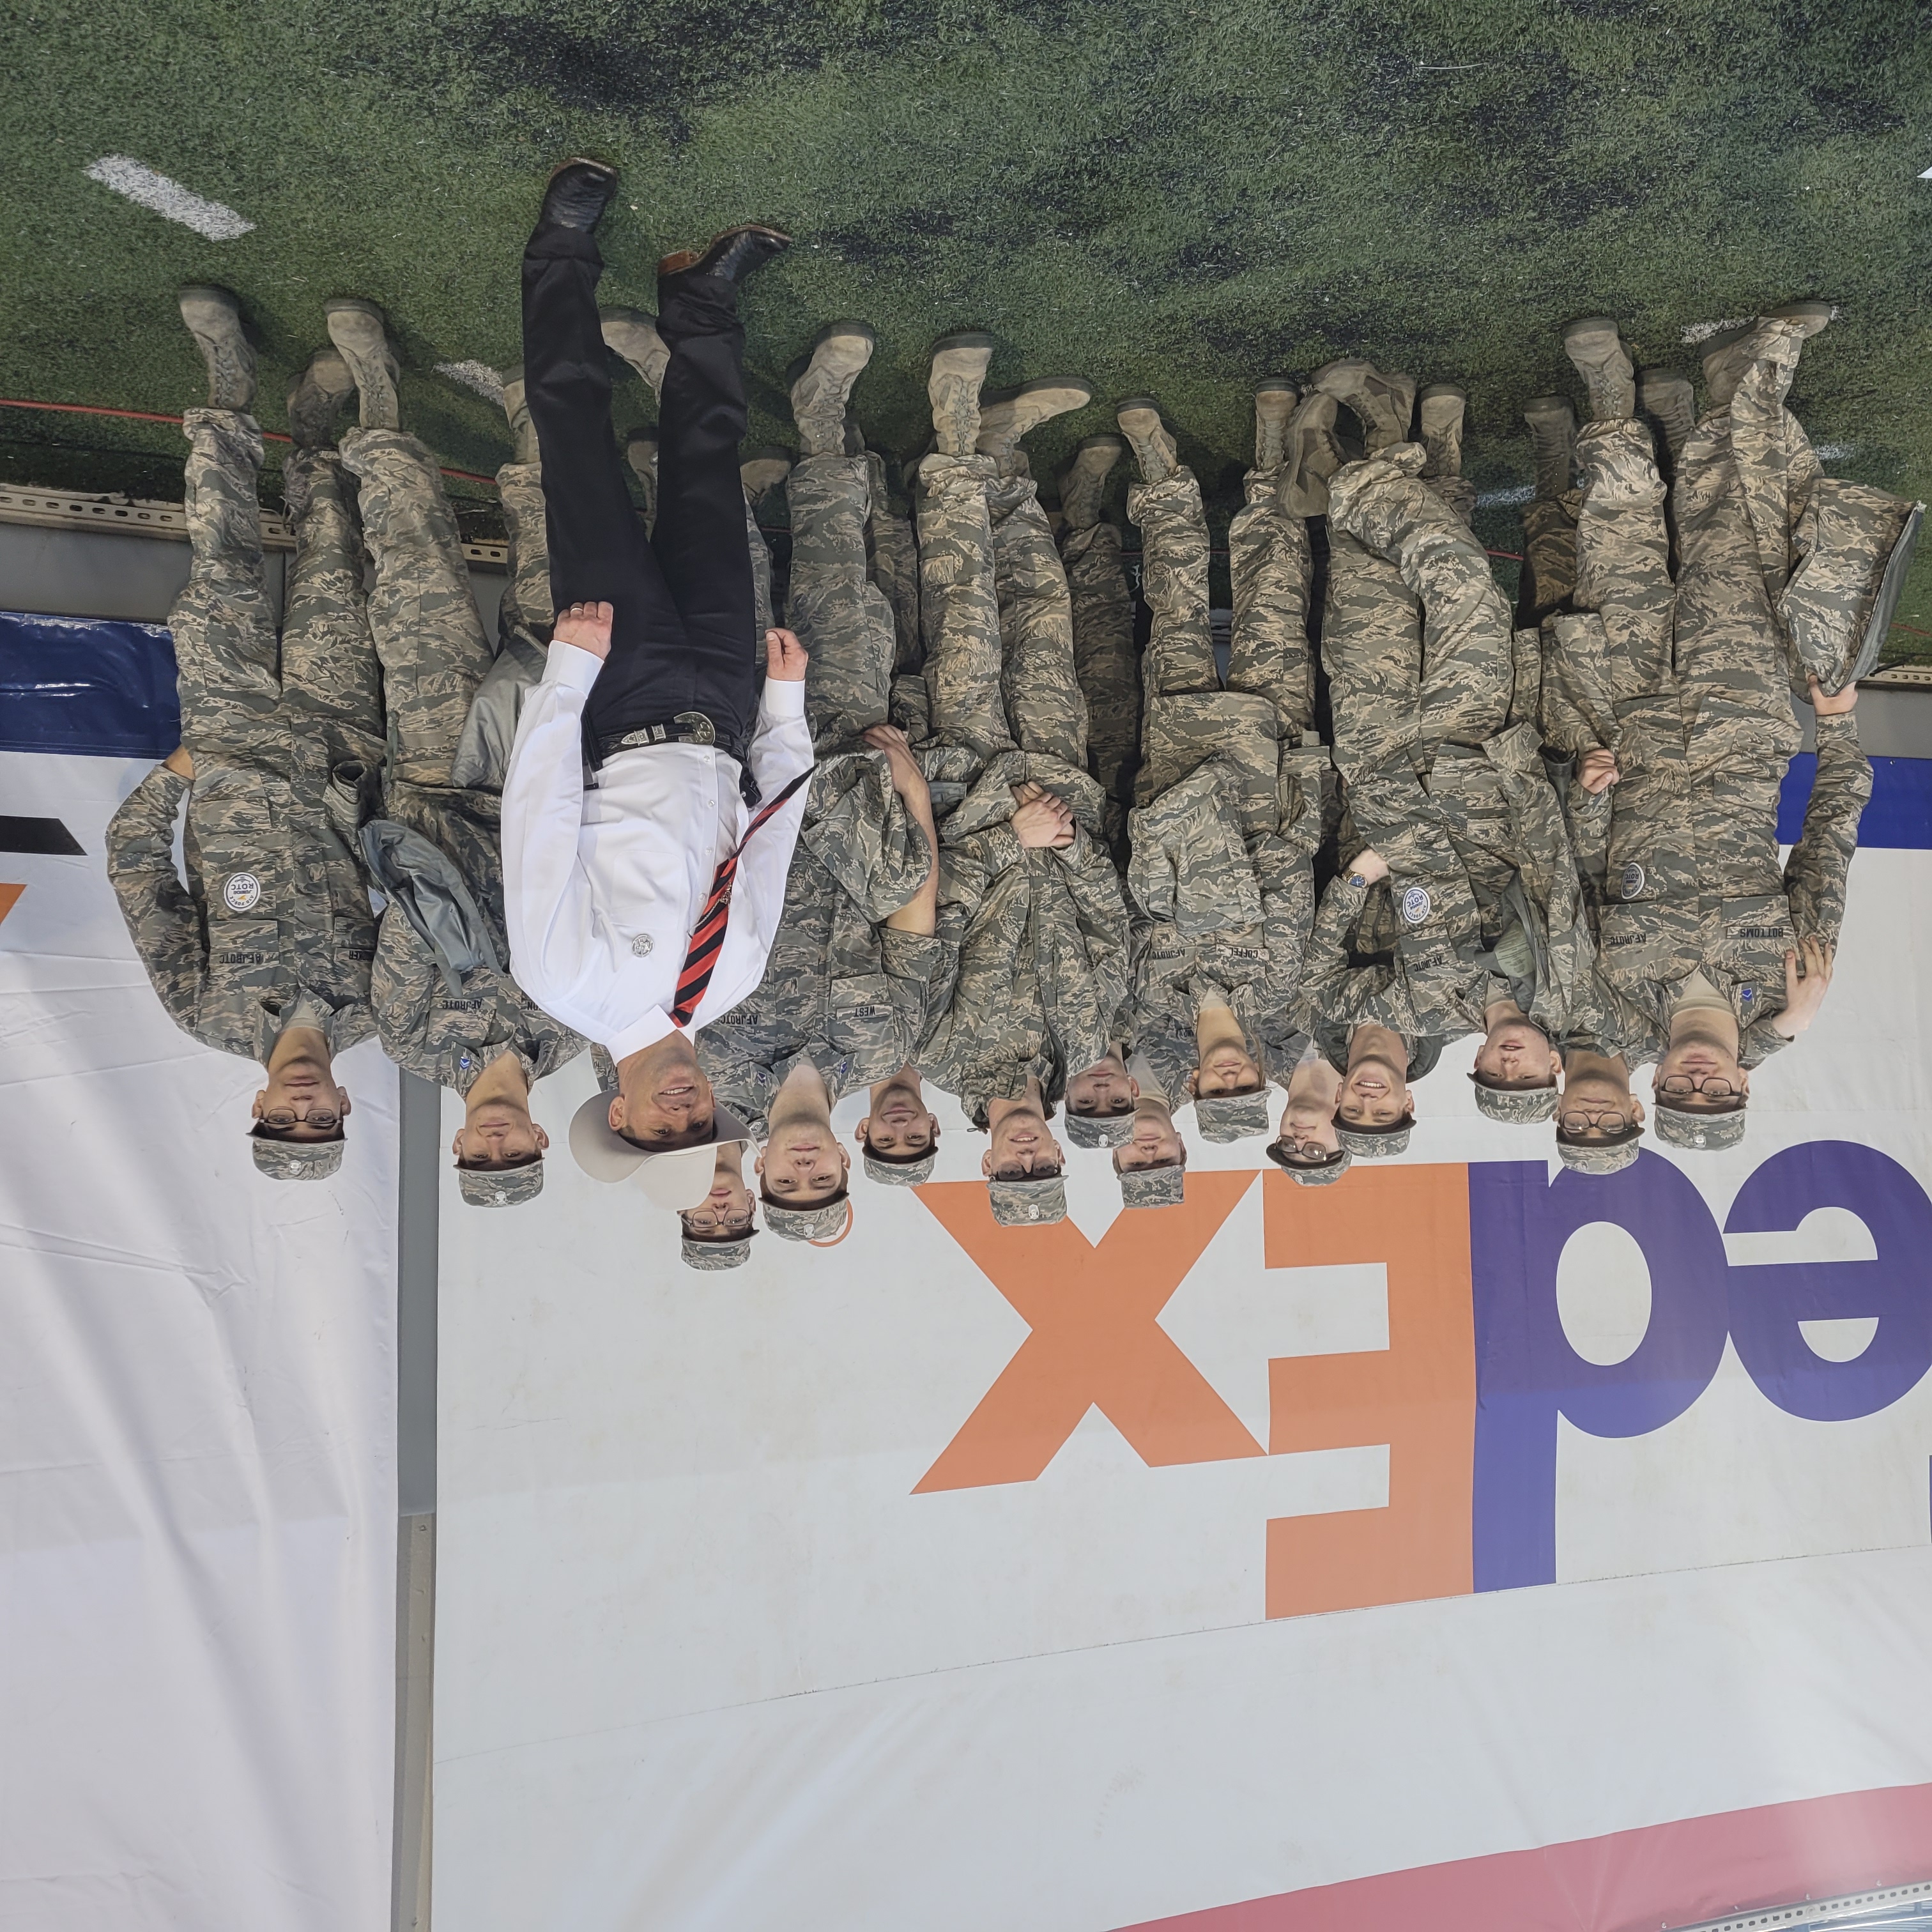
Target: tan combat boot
<point>821,385</point>
<point>523,431</point>
<point>316,401</point>
<point>356,328</point>
<point>1597,353</point>
<point>1274,403</point>
<point>1811,316</point>
<point>1003,423</point>
<point>1382,404</point>
<point>1726,359</point>
<point>1442,407</point>
<point>1083,483</point>
<point>1155,450</point>
<point>1313,455</point>
<point>635,336</point>
<point>1665,396</point>
<point>959,364</point>
<point>214,319</point>
<point>1553,443</point>
<point>763,470</point>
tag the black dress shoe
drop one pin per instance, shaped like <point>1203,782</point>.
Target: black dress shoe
<point>731,256</point>
<point>578,194</point>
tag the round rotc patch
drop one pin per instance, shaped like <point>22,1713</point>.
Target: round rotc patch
<point>1416,905</point>
<point>242,893</point>
<point>1633,880</point>
<point>641,944</point>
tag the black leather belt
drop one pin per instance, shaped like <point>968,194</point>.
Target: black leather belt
<point>688,728</point>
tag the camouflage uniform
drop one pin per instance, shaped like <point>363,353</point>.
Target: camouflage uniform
<point>1045,709</point>
<point>1424,671</point>
<point>1224,838</point>
<point>1682,852</point>
<point>438,1022</point>
<point>841,990</point>
<point>1041,933</point>
<point>1548,556</point>
<point>1105,664</point>
<point>285,765</point>
<point>893,559</point>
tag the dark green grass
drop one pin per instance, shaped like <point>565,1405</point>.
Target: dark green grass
<point>1160,196</point>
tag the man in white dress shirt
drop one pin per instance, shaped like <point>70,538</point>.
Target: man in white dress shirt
<point>641,903</point>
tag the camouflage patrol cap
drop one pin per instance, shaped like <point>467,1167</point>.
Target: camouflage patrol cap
<point>1036,1201</point>
<point>1601,1156</point>
<point>1100,1130</point>
<point>1223,1118</point>
<point>296,1160</point>
<point>1517,1106</point>
<point>1706,1132</point>
<point>1375,1143</point>
<point>1325,1175</point>
<point>501,1186</point>
<point>892,1172</point>
<point>710,1257</point>
<point>1154,1186</point>
<point>825,1224</point>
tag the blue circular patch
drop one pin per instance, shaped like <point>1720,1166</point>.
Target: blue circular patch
<point>1633,880</point>
<point>1416,905</point>
<point>242,893</point>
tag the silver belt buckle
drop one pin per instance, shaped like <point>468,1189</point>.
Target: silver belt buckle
<point>697,729</point>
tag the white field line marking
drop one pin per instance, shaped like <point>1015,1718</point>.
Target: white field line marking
<point>139,183</point>
<point>1490,499</point>
<point>1702,331</point>
<point>477,376</point>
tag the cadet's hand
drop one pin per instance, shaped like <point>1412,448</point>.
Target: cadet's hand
<point>585,625</point>
<point>785,658</point>
<point>908,780</point>
<point>1803,997</point>
<point>178,762</point>
<point>1041,819</point>
<point>1598,771</point>
<point>1369,867</point>
<point>1831,707</point>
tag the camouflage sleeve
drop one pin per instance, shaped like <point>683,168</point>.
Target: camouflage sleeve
<point>923,972</point>
<point>1333,989</point>
<point>403,980</point>
<point>733,1073</point>
<point>1286,875</point>
<point>1814,875</point>
<point>1100,909</point>
<point>163,919</point>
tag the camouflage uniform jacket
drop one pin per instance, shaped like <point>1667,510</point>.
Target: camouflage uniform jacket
<point>1223,869</point>
<point>275,908</point>
<point>1042,939</point>
<point>842,989</point>
<point>428,1027</point>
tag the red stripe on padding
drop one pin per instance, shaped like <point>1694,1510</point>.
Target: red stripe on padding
<point>1675,1874</point>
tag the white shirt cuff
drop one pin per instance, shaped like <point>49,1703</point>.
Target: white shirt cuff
<point>785,697</point>
<point>655,1025</point>
<point>571,668</point>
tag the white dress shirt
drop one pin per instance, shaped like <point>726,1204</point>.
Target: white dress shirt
<point>603,886</point>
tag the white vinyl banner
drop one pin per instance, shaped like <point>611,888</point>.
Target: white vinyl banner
<point>197,1547</point>
<point>1558,1542</point>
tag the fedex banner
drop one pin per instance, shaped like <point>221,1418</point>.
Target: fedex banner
<point>1470,1543</point>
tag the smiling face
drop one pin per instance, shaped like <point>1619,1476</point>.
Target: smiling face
<point>1516,1053</point>
<point>898,1125</point>
<point>1374,1089</point>
<point>1023,1148</point>
<point>663,1101</point>
<point>802,1164</point>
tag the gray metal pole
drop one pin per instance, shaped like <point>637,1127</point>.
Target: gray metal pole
<point>418,1180</point>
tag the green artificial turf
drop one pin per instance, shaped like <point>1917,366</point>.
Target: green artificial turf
<point>1177,196</point>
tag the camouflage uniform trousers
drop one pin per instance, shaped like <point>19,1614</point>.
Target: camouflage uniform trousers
<point>894,565</point>
<point>1548,556</point>
<point>428,634</point>
<point>959,606</point>
<point>842,619</point>
<point>1105,662</point>
<point>1045,709</point>
<point>527,600</point>
<point>1823,544</point>
<point>285,757</point>
<point>1273,572</point>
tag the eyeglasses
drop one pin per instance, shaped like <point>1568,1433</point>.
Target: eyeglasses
<point>324,1119</point>
<point>702,1221</point>
<point>1712,1086</point>
<point>1015,1173</point>
<point>1575,1122</point>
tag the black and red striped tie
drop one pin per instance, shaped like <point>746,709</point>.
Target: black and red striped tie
<point>707,936</point>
